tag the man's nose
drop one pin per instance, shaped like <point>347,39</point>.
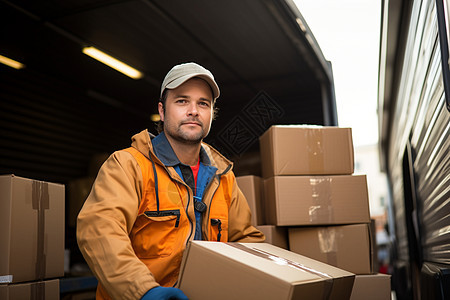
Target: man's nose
<point>192,109</point>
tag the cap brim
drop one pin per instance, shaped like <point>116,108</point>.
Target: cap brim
<point>179,81</point>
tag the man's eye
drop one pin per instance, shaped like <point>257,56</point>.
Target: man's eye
<point>204,104</point>
<point>180,101</point>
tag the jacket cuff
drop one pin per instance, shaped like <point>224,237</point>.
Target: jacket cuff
<point>139,287</point>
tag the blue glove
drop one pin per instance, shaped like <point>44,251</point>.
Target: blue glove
<point>164,293</point>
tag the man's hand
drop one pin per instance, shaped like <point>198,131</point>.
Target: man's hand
<point>164,293</point>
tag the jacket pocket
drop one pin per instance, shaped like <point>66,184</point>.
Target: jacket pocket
<point>218,230</point>
<point>156,233</point>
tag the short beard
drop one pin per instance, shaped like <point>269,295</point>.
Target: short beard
<point>179,135</point>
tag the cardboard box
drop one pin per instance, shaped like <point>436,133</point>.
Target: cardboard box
<point>374,248</point>
<point>275,235</point>
<point>31,229</point>
<point>48,290</point>
<point>253,187</point>
<point>372,287</point>
<point>223,271</point>
<point>316,200</point>
<point>346,247</point>
<point>306,150</point>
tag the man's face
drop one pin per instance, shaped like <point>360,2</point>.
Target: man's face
<point>188,111</point>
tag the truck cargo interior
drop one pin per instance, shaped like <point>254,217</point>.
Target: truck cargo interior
<point>64,107</point>
<point>64,112</point>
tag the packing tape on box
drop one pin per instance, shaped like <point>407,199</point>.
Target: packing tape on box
<point>40,200</point>
<point>316,158</point>
<point>321,210</point>
<point>37,290</point>
<point>328,279</point>
<point>328,243</point>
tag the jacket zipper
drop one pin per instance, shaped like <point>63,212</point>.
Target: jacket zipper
<point>210,203</point>
<point>165,213</point>
<point>189,197</point>
<point>217,222</point>
<point>187,214</point>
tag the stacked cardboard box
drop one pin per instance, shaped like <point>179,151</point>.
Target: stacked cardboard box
<point>306,150</point>
<point>46,289</point>
<point>345,246</point>
<point>371,287</point>
<point>31,237</point>
<point>311,190</point>
<point>253,189</point>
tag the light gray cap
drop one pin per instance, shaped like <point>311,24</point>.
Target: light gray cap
<point>179,74</point>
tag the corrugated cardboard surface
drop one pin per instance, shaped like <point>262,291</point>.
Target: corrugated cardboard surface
<point>372,287</point>
<point>48,290</point>
<point>212,270</point>
<point>252,187</point>
<point>306,150</point>
<point>316,200</point>
<point>32,229</point>
<point>374,248</point>
<point>275,235</point>
<point>347,247</point>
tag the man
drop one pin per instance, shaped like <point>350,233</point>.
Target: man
<point>150,200</point>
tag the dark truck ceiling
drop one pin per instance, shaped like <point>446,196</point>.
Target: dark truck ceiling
<point>65,106</point>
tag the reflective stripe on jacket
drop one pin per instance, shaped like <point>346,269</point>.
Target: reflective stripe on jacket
<point>136,222</point>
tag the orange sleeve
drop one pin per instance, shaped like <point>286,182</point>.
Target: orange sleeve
<point>239,217</point>
<point>104,224</point>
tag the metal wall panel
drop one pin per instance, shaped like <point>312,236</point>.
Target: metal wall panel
<point>422,118</point>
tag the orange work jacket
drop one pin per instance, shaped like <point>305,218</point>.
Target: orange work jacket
<point>139,217</point>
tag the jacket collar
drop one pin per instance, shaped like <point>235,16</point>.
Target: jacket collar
<point>143,143</point>
<point>164,151</point>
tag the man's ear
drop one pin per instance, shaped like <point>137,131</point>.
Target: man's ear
<point>161,111</point>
